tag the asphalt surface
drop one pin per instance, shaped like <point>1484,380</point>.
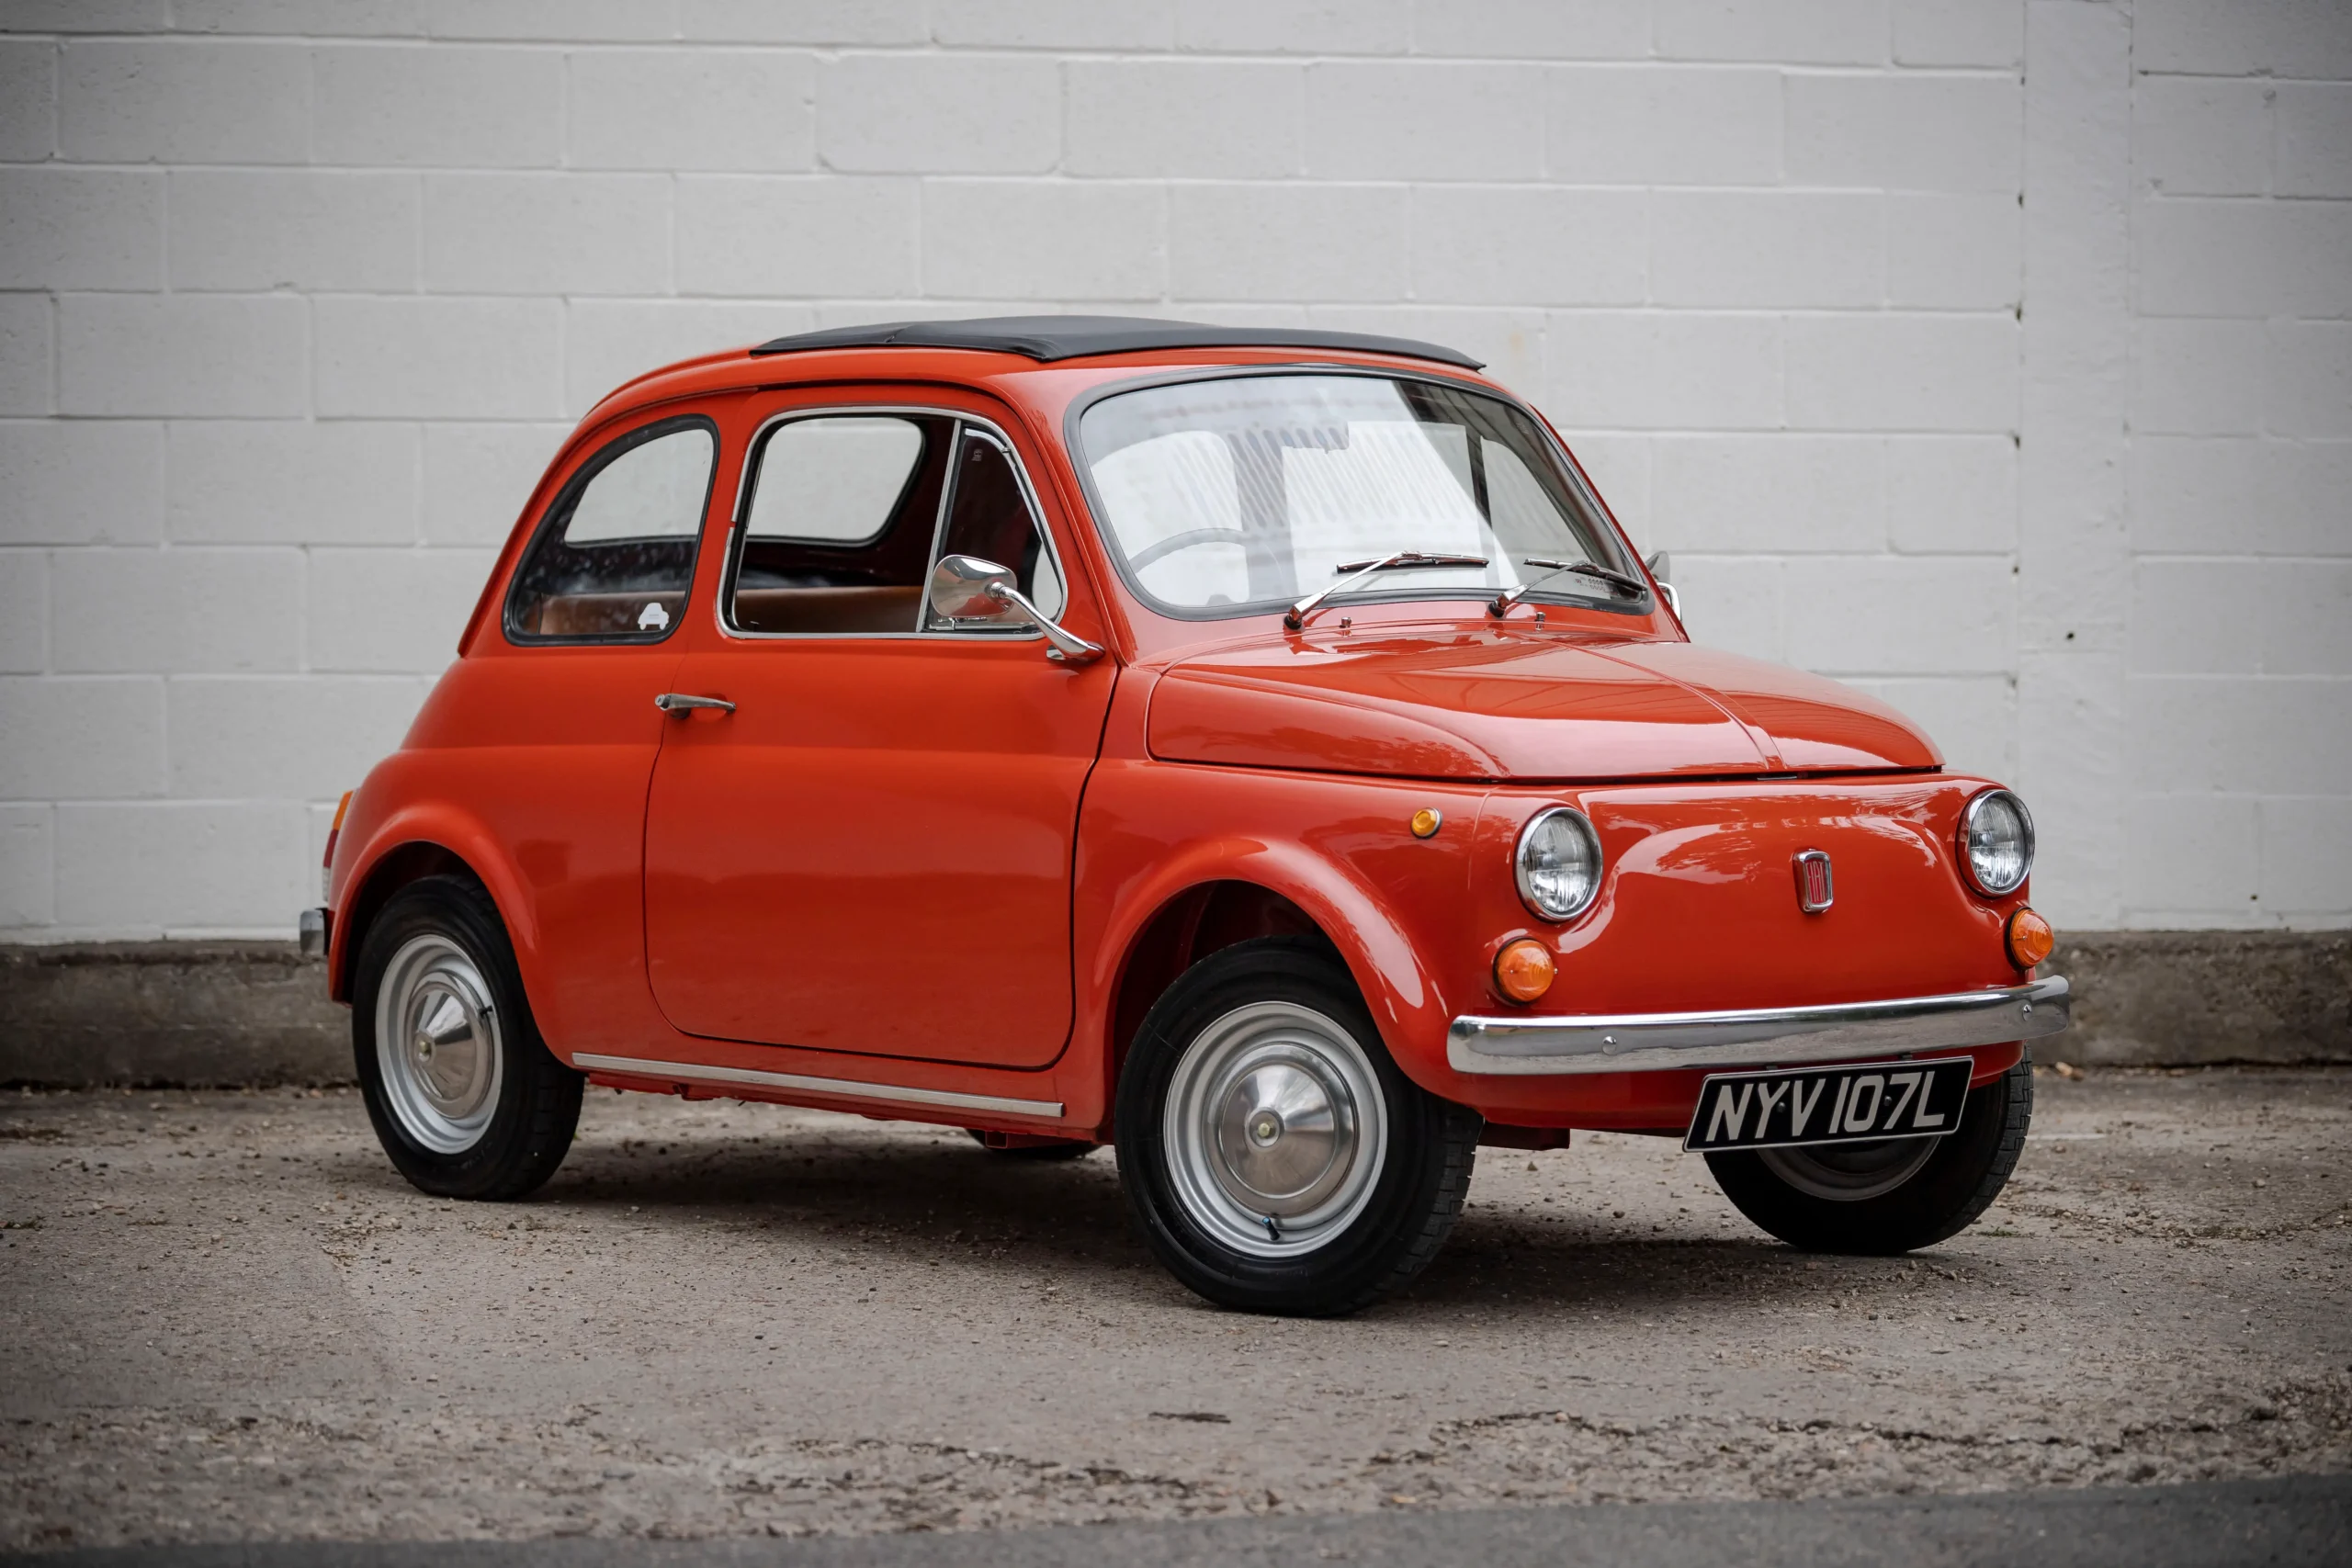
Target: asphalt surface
<point>2287,1520</point>
<point>226,1320</point>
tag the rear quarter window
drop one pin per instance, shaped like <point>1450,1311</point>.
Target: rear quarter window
<point>614,558</point>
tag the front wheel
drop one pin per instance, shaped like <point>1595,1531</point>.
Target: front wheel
<point>1274,1156</point>
<point>465,1096</point>
<point>1894,1195</point>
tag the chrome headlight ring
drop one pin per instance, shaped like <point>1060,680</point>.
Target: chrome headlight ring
<point>1995,842</point>
<point>1557,865</point>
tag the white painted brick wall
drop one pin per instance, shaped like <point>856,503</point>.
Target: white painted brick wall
<point>819,236</point>
<point>259,229</point>
<point>703,109</point>
<point>127,612</point>
<point>238,354</point>
<point>1994,356</point>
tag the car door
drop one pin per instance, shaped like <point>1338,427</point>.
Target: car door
<point>871,850</point>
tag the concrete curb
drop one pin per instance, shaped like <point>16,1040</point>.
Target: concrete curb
<point>2190,999</point>
<point>206,1014</point>
<point>202,1014</point>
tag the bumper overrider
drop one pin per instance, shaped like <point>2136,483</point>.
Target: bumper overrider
<point>1757,1037</point>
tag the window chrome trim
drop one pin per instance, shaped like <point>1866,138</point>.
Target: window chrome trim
<point>1519,864</point>
<point>957,422</point>
<point>1967,825</point>
<point>1562,458</point>
<point>696,1072</point>
<point>1757,1037</point>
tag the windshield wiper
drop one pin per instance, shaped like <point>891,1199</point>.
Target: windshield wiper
<point>1617,579</point>
<point>1398,560</point>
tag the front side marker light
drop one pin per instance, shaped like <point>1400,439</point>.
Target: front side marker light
<point>2028,939</point>
<point>1523,969</point>
<point>1427,822</point>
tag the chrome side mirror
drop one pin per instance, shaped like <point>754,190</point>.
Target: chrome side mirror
<point>1660,566</point>
<point>965,588</point>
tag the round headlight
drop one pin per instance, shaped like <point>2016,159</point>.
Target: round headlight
<point>1995,844</point>
<point>1558,863</point>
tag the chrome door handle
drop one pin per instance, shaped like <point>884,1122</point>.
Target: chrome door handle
<point>679,701</point>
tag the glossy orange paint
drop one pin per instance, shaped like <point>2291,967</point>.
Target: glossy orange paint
<point>744,892</point>
<point>877,819</point>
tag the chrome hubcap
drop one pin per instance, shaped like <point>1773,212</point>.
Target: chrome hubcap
<point>1848,1173</point>
<point>438,1044</point>
<point>1275,1129</point>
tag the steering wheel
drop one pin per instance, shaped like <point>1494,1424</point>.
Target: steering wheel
<point>1185,540</point>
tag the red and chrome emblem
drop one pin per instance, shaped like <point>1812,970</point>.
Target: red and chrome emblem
<point>1815,892</point>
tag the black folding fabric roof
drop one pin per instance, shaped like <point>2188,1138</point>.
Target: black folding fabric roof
<point>1075,337</point>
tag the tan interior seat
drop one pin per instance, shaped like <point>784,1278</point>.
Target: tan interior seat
<point>600,614</point>
<point>818,611</point>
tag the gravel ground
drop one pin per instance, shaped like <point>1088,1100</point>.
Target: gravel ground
<point>226,1318</point>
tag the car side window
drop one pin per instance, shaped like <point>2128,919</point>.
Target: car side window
<point>989,516</point>
<point>837,524</point>
<point>845,512</point>
<point>614,557</point>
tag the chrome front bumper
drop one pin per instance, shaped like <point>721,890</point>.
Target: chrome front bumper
<point>1757,1037</point>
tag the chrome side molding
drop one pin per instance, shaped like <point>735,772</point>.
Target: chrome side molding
<point>802,1083</point>
<point>1757,1037</point>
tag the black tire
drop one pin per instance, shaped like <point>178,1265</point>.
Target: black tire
<point>1385,1223</point>
<point>1957,1182</point>
<point>517,1130</point>
<point>1060,1148</point>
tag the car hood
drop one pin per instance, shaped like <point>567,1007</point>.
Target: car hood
<point>1502,702</point>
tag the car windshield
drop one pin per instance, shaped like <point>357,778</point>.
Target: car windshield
<point>1244,493</point>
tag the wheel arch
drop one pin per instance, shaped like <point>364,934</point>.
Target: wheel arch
<point>412,846</point>
<point>1218,897</point>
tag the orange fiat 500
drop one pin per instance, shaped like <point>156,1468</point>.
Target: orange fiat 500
<point>1258,749</point>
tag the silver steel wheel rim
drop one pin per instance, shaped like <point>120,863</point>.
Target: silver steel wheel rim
<point>438,1044</point>
<point>1848,1173</point>
<point>1276,1130</point>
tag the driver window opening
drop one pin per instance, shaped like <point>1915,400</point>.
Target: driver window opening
<point>837,529</point>
<point>844,512</point>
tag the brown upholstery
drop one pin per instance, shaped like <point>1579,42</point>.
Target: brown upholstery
<point>595,615</point>
<point>812,611</point>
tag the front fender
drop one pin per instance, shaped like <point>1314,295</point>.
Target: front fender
<point>1395,985</point>
<point>1336,848</point>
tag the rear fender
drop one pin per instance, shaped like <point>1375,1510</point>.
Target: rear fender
<point>386,858</point>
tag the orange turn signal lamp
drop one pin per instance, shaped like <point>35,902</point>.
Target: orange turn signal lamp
<point>1523,969</point>
<point>326,861</point>
<point>2029,938</point>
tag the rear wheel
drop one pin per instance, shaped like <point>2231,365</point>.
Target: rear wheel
<point>1274,1156</point>
<point>465,1096</point>
<point>1892,1196</point>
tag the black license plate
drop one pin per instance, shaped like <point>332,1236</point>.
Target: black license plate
<point>1829,1105</point>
